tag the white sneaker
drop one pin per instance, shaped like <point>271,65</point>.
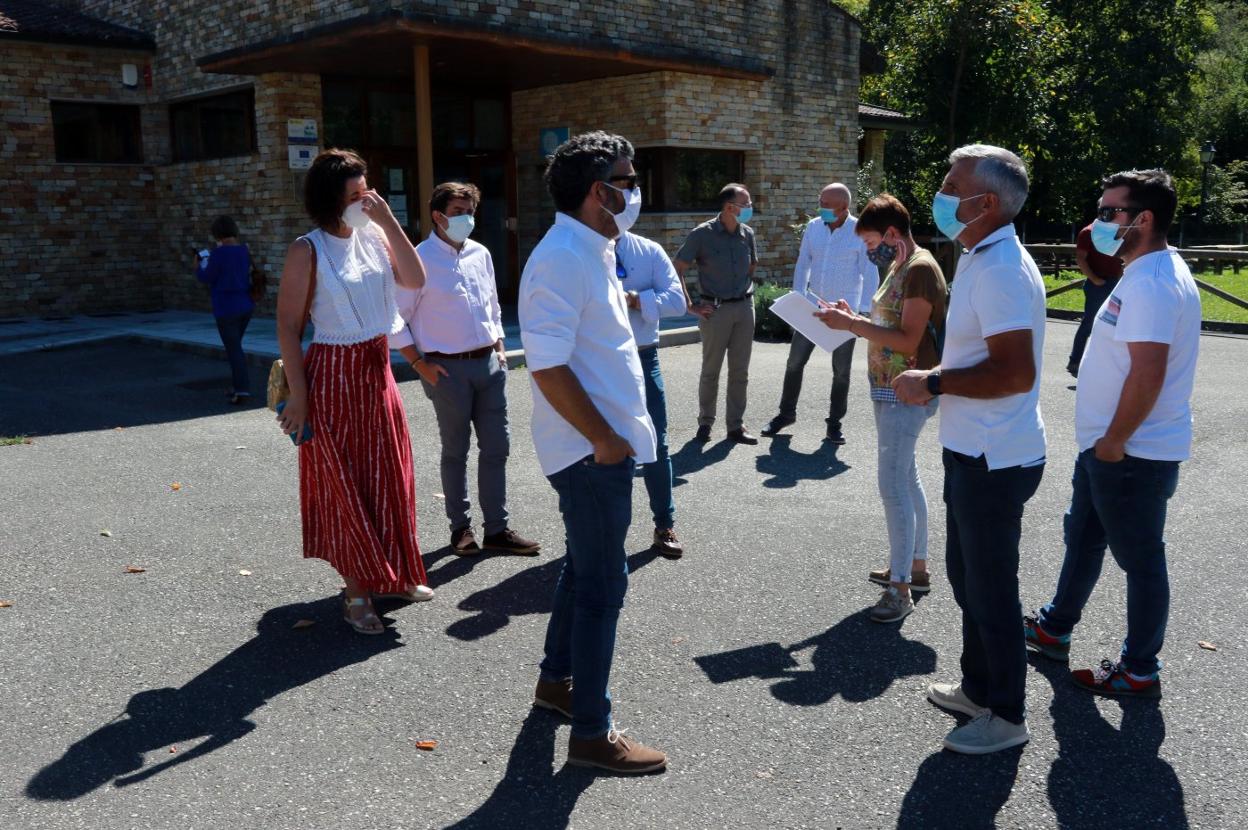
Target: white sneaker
<point>893,606</point>
<point>987,733</point>
<point>951,698</point>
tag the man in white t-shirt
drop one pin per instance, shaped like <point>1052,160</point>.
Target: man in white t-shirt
<point>992,434</point>
<point>591,429</point>
<point>1133,424</point>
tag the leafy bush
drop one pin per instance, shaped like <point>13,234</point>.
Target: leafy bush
<point>767,326</point>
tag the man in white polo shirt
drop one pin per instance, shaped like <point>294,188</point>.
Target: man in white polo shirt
<point>591,430</point>
<point>1133,424</point>
<point>993,437</point>
<point>453,338</point>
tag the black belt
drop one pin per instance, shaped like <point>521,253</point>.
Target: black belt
<point>475,354</point>
<point>718,300</point>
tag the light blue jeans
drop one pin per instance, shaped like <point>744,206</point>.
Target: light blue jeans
<point>897,426</point>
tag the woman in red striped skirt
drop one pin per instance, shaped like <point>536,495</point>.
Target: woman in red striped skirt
<point>356,486</point>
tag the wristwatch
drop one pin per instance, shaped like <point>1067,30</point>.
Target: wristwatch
<point>933,384</point>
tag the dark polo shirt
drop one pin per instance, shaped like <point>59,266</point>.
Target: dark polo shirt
<point>723,259</point>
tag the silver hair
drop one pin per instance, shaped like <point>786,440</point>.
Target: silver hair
<point>998,171</point>
<point>837,187</point>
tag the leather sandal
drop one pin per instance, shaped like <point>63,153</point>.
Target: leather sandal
<point>366,623</point>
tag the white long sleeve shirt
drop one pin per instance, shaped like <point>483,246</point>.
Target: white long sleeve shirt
<point>572,313</point>
<point>457,310</point>
<point>833,265</point>
<point>648,271</point>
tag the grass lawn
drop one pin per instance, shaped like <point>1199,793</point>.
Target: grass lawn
<point>1214,308</point>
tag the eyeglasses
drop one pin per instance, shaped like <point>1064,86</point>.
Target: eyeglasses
<point>632,180</point>
<point>1107,214</point>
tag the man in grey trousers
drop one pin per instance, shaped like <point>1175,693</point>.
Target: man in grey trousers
<point>453,338</point>
<point>723,251</point>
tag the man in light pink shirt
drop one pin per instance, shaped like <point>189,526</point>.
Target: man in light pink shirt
<point>453,338</point>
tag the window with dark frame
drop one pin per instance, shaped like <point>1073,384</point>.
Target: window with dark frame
<point>97,133</point>
<point>219,126</point>
<point>677,179</point>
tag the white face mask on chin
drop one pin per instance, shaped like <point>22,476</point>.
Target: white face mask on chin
<point>355,217</point>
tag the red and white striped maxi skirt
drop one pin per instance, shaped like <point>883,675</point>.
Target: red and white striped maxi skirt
<point>357,490</point>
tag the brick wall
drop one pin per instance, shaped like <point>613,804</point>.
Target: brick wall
<point>93,237</point>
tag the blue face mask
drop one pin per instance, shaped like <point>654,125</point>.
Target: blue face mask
<point>829,215</point>
<point>746,214</point>
<point>1105,236</point>
<point>945,214</point>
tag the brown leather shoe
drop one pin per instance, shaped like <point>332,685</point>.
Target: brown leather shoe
<point>464,543</point>
<point>555,695</point>
<point>615,753</point>
<point>508,541</point>
<point>741,436</point>
<point>666,544</point>
<point>920,582</point>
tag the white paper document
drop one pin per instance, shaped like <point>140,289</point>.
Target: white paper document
<point>799,312</point>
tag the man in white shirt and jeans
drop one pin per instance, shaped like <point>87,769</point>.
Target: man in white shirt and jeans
<point>993,437</point>
<point>832,264</point>
<point>453,338</point>
<point>591,429</point>
<point>1133,424</point>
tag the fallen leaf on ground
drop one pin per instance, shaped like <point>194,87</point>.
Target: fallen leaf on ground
<point>1207,646</point>
<point>763,774</point>
<point>303,623</point>
<point>677,640</point>
<point>135,569</point>
<point>172,749</point>
<point>177,485</point>
<point>439,495</point>
<point>108,533</point>
<point>427,745</point>
<point>4,603</point>
<point>244,573</point>
<point>118,429</point>
<point>240,448</point>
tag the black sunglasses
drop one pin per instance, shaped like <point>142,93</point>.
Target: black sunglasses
<point>632,180</point>
<point>1107,214</point>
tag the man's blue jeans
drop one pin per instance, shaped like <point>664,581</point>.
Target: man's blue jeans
<point>596,501</point>
<point>232,330</point>
<point>659,474</point>
<point>984,522</point>
<point>1123,506</point>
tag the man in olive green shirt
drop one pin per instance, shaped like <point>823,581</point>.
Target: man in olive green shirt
<point>725,256</point>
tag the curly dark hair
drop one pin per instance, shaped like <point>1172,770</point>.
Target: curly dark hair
<point>223,227</point>
<point>328,176</point>
<point>1148,190</point>
<point>579,162</point>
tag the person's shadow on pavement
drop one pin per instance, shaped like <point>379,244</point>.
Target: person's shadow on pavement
<point>856,658</point>
<point>697,455</point>
<point>960,791</point>
<point>531,795</point>
<point>787,466</point>
<point>1105,776</point>
<point>214,705</point>
<point>531,591</point>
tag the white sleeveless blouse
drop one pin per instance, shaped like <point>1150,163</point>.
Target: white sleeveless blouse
<point>354,299</point>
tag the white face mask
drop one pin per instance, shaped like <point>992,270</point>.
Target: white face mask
<point>458,228</point>
<point>355,217</point>
<point>632,208</point>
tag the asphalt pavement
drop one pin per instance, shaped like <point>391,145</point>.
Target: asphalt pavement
<point>218,688</point>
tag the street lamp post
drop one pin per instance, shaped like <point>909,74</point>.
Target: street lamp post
<point>1206,159</point>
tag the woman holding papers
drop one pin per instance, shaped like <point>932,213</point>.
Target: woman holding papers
<point>905,330</point>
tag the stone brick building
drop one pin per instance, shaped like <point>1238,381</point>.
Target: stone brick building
<point>128,125</point>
